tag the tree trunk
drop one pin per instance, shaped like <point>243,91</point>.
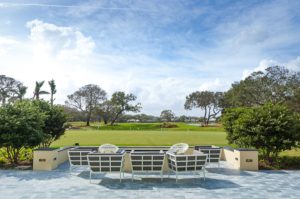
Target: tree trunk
<point>115,118</point>
<point>88,118</point>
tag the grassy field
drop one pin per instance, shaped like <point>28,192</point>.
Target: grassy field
<point>88,137</point>
<point>146,134</point>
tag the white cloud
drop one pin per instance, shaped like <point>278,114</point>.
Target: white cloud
<point>60,42</point>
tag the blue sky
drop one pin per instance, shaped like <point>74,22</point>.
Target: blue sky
<point>159,50</point>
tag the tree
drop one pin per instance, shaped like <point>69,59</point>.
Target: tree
<point>21,126</point>
<point>37,90</point>
<point>105,110</point>
<point>210,102</point>
<point>19,93</point>
<point>270,128</point>
<point>86,99</point>
<point>52,91</point>
<point>10,88</point>
<point>276,85</point>
<point>167,115</point>
<point>54,120</point>
<point>121,103</point>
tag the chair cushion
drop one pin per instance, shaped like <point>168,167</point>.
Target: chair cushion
<point>179,148</point>
<point>108,148</point>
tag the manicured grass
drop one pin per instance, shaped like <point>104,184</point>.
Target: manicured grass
<point>147,134</point>
<point>92,137</point>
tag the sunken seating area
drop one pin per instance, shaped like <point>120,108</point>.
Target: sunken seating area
<point>147,161</point>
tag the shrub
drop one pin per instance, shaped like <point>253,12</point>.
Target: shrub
<point>269,128</point>
<point>21,126</point>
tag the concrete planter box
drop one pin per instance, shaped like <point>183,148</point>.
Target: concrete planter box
<point>242,159</point>
<point>47,159</point>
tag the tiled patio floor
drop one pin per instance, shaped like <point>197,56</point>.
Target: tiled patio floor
<point>220,183</point>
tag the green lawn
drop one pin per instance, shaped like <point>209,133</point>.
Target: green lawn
<point>91,137</point>
<point>146,134</point>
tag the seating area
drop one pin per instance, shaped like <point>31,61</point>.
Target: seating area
<point>108,158</point>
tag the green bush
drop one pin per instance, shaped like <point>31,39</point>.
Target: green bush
<point>269,128</point>
<point>21,126</point>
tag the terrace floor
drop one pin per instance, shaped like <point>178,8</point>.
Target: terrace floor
<point>220,183</point>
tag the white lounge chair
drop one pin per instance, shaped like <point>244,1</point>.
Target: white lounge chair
<point>147,162</point>
<point>106,162</point>
<point>187,163</point>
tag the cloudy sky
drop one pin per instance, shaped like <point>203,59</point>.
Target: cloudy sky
<point>159,50</point>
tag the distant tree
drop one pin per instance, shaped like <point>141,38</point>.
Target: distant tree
<point>19,93</point>
<point>210,102</point>
<point>10,89</point>
<point>105,111</point>
<point>73,114</point>
<point>52,90</point>
<point>276,85</point>
<point>21,126</point>
<point>86,99</point>
<point>167,115</point>
<point>37,90</point>
<point>121,103</point>
<point>270,128</point>
<point>54,121</point>
<point>182,118</point>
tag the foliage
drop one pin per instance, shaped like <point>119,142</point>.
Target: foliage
<point>37,90</point>
<point>10,89</point>
<point>276,85</point>
<point>86,99</point>
<point>269,128</point>
<point>55,119</point>
<point>121,103</point>
<point>20,128</point>
<point>167,115</point>
<point>210,102</point>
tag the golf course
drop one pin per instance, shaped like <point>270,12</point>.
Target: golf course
<point>141,134</point>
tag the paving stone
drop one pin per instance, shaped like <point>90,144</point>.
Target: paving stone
<point>220,183</point>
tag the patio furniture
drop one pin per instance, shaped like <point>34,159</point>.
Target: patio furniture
<point>213,153</point>
<point>147,162</point>
<point>106,162</point>
<point>187,163</point>
<point>78,156</point>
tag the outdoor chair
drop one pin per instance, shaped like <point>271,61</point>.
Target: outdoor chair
<point>213,153</point>
<point>147,162</point>
<point>78,156</point>
<point>106,162</point>
<point>187,163</point>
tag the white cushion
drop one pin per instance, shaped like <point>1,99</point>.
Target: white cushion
<point>179,148</point>
<point>108,148</point>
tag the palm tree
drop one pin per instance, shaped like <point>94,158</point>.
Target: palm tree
<point>38,91</point>
<point>52,90</point>
<point>21,92</point>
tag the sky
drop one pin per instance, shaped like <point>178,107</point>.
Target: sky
<point>161,51</point>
